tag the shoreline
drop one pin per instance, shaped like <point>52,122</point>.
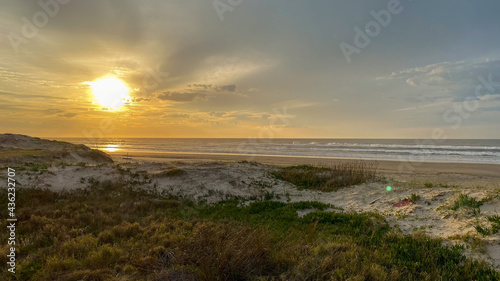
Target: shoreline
<point>464,174</point>
<point>243,155</point>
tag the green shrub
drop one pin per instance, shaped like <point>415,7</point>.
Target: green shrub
<point>414,197</point>
<point>464,201</point>
<point>495,226</point>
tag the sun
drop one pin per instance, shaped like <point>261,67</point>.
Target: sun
<point>110,92</point>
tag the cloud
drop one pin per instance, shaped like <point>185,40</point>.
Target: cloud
<point>459,78</point>
<point>52,111</point>
<point>194,92</point>
<point>227,88</point>
<point>217,114</point>
<point>420,98</point>
<point>141,99</point>
<point>492,109</point>
<point>31,96</point>
<point>68,115</point>
<point>213,88</point>
<point>177,115</point>
<point>201,86</point>
<point>241,66</point>
<point>300,103</point>
<point>446,73</point>
<point>418,107</point>
<point>180,97</point>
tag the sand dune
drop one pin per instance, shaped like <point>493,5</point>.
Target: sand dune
<point>19,149</point>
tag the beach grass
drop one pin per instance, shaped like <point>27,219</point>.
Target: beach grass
<point>20,152</point>
<point>329,178</point>
<point>174,172</point>
<point>464,201</point>
<point>114,231</point>
<point>494,221</point>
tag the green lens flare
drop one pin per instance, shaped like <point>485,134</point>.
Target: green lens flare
<point>389,188</point>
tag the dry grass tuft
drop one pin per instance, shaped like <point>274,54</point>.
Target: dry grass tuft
<point>328,178</point>
<point>228,252</point>
<point>175,172</point>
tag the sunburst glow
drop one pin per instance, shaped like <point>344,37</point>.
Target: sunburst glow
<point>110,92</point>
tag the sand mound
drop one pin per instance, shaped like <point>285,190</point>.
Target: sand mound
<point>14,141</point>
<point>19,149</point>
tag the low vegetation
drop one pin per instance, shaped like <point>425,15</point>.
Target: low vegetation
<point>494,229</point>
<point>20,152</point>
<point>17,157</point>
<point>175,172</point>
<point>414,197</point>
<point>473,241</point>
<point>111,231</point>
<point>466,202</point>
<point>327,178</point>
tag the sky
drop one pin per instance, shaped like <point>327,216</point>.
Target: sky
<point>252,68</point>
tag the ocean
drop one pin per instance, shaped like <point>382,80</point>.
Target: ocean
<point>468,151</point>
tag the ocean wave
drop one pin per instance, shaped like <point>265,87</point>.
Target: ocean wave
<point>412,146</point>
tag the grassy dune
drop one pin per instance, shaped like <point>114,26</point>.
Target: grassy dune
<point>20,152</point>
<point>327,178</point>
<point>111,231</point>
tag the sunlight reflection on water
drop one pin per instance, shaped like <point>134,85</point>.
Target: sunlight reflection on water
<point>111,148</point>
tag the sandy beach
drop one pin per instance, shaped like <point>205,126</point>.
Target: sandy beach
<point>463,174</point>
